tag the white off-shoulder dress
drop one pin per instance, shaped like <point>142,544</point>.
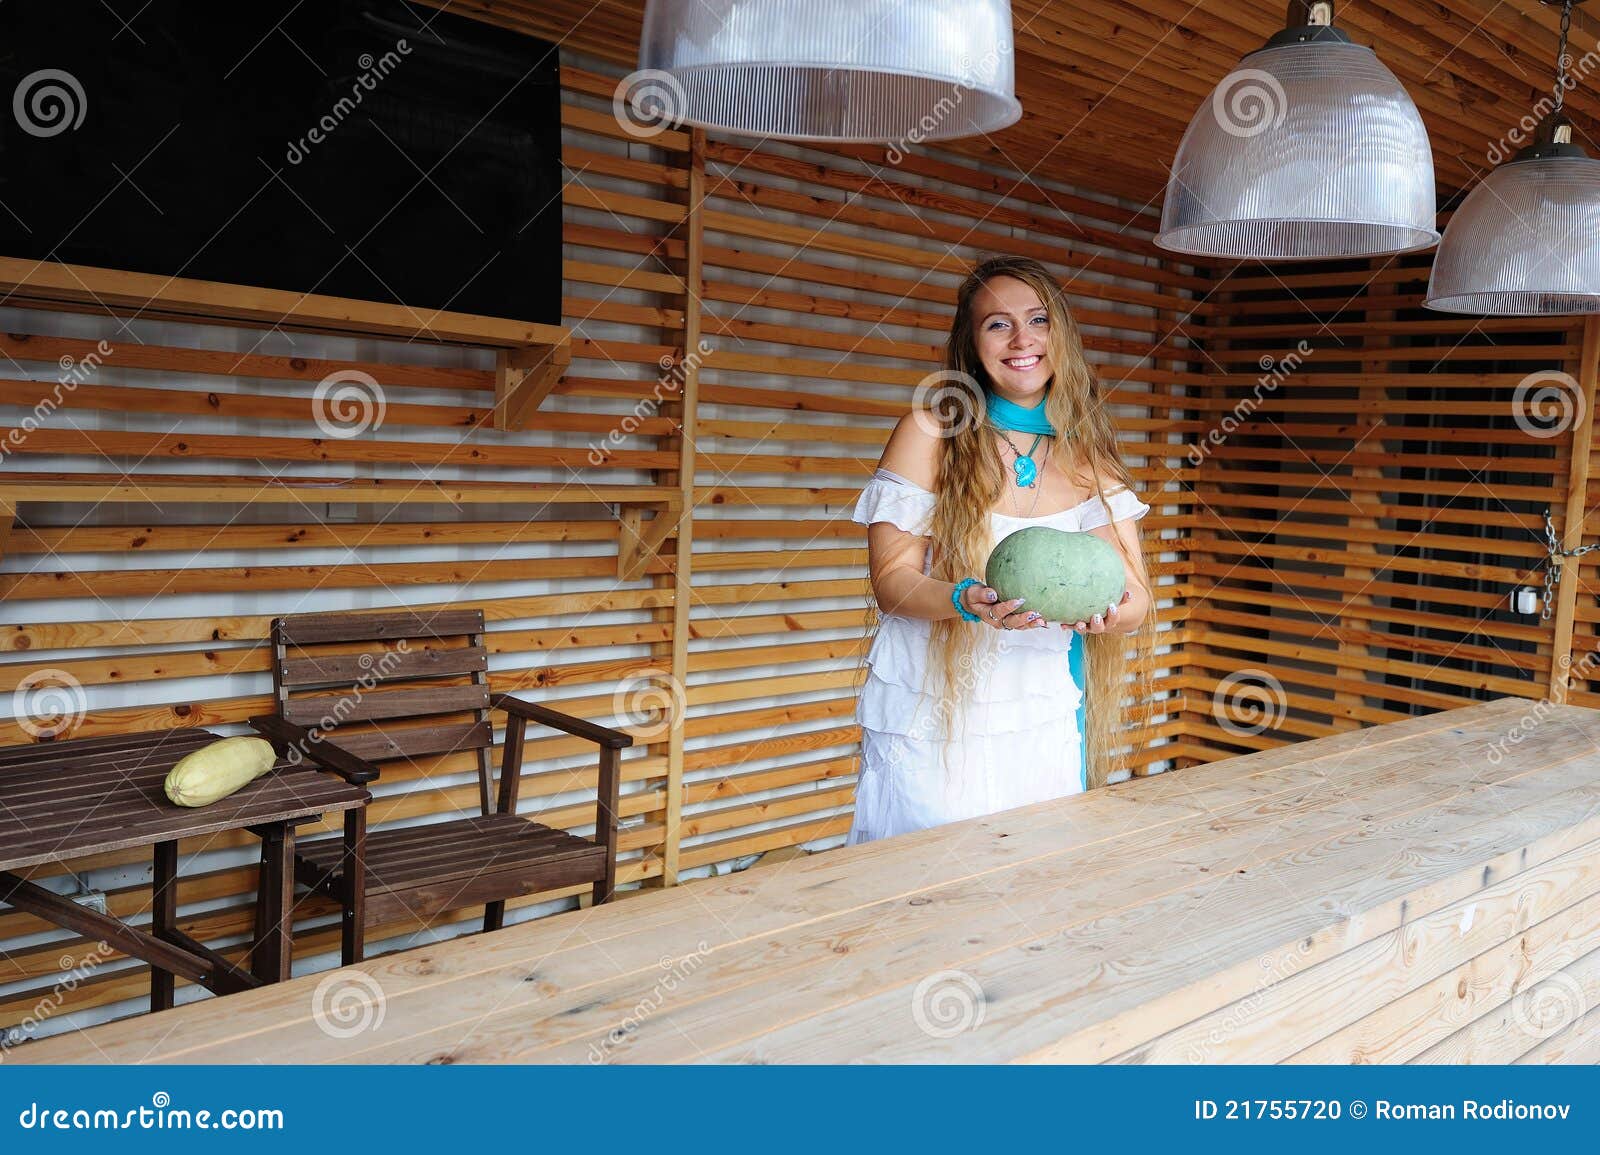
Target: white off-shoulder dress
<point>1018,739</point>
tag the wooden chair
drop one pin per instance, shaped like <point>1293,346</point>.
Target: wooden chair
<point>399,687</point>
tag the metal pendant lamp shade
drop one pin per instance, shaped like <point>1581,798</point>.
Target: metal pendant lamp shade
<point>1525,242</point>
<point>1309,148</point>
<point>868,71</point>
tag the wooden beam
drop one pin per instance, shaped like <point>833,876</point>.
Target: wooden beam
<point>8,523</point>
<point>355,493</point>
<point>687,411</point>
<point>53,285</point>
<point>1574,512</point>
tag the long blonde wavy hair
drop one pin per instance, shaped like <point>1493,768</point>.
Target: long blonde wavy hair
<point>971,483</point>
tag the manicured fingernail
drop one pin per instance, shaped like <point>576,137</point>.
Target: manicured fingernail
<point>1098,619</point>
<point>1021,600</point>
<point>991,596</point>
<point>1033,617</point>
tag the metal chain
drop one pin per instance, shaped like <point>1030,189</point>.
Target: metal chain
<point>1552,573</point>
<point>1561,54</point>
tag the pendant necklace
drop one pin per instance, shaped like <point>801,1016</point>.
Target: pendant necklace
<point>1022,464</point>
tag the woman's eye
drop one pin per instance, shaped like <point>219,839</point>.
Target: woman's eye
<point>993,325</point>
<point>1041,319</point>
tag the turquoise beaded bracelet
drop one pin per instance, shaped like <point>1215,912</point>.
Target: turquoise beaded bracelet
<point>955,597</point>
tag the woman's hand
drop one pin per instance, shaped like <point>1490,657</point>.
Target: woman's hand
<point>1105,623</point>
<point>993,612</point>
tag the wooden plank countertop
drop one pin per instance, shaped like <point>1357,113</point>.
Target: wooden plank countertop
<point>1426,890</point>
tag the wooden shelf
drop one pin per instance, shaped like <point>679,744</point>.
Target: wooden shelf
<point>638,542</point>
<point>531,356</point>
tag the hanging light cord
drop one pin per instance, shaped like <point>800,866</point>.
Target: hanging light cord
<point>1561,54</point>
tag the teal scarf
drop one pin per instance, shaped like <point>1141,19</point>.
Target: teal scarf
<point>1005,414</point>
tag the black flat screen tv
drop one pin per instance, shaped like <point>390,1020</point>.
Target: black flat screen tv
<point>372,149</point>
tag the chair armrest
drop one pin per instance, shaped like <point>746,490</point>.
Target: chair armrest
<point>296,742</point>
<point>578,727</point>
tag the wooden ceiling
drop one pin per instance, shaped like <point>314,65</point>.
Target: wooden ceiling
<point>1107,87</point>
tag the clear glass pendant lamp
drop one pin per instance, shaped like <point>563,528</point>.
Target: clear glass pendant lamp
<point>1526,241</point>
<point>869,71</point>
<point>1309,148</point>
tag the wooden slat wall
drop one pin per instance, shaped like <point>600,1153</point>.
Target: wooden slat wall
<point>748,325</point>
<point>1371,490</point>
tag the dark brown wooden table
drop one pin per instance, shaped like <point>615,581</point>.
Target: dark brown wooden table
<point>64,800</point>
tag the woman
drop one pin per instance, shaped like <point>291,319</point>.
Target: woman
<point>972,704</point>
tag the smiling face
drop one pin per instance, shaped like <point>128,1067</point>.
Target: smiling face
<point>1011,330</point>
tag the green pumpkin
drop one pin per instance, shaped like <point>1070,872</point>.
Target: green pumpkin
<point>1067,577</point>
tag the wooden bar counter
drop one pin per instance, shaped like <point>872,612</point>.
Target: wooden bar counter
<point>1423,891</point>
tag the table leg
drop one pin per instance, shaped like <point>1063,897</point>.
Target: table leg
<point>353,944</point>
<point>274,947</point>
<point>163,919</point>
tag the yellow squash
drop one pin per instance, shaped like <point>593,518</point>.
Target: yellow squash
<point>213,772</point>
